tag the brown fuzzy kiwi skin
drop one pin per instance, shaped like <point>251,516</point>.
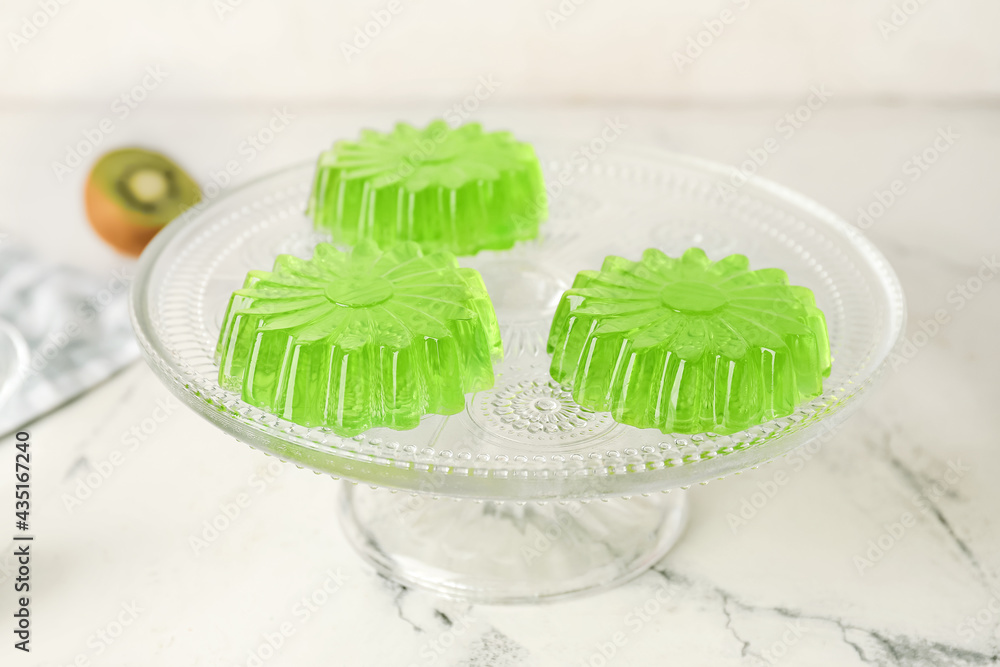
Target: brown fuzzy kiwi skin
<point>127,231</point>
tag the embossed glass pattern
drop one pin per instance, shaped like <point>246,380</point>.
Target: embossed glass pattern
<point>496,447</point>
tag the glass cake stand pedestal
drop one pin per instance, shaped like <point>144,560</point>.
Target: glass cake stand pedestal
<point>526,496</point>
<point>489,551</point>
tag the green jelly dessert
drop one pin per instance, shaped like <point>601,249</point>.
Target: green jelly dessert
<point>461,190</point>
<point>360,339</point>
<point>689,345</point>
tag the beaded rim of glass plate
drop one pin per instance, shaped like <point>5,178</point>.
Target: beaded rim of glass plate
<point>186,360</point>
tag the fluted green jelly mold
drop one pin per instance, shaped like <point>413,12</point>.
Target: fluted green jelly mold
<point>360,339</point>
<point>461,190</point>
<point>689,345</point>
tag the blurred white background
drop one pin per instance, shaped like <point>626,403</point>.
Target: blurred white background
<point>575,50</point>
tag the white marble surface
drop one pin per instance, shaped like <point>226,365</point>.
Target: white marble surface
<point>783,588</point>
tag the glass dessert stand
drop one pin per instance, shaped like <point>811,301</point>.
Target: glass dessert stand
<point>524,495</point>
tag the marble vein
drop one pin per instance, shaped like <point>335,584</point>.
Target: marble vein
<point>911,480</point>
<point>898,650</point>
<point>399,591</point>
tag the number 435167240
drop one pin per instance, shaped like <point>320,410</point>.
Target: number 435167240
<point>22,473</point>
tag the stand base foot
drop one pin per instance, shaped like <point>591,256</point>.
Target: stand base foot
<point>489,552</point>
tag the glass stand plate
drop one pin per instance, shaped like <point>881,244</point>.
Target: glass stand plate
<point>525,439</point>
<point>496,552</point>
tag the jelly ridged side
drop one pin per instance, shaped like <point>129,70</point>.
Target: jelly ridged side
<point>298,343</point>
<point>688,345</point>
